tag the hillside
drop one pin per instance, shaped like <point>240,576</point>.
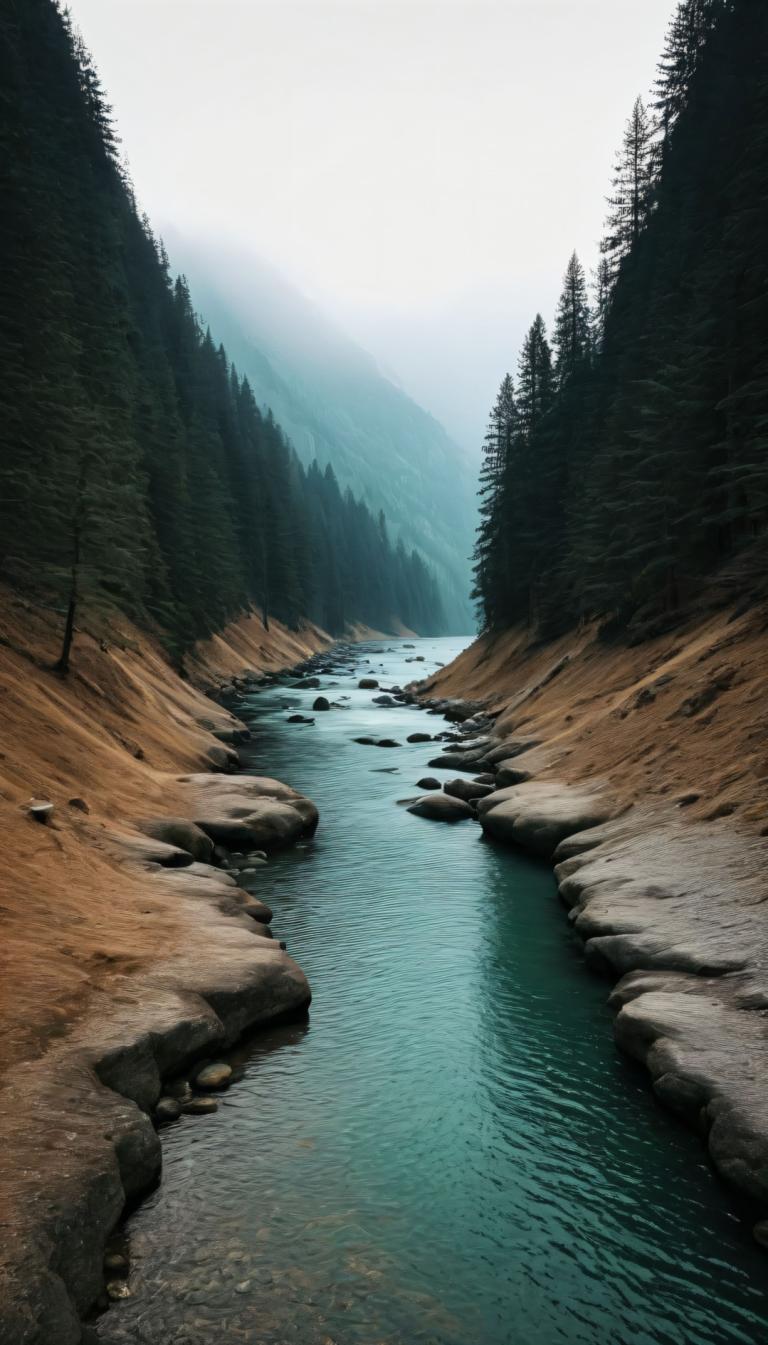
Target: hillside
<point>336,406</point>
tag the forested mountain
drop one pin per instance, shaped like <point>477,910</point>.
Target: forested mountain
<point>337,407</point>
<point>631,457</point>
<point>137,467</point>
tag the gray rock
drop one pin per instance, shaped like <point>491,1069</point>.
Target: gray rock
<point>467,790</point>
<point>507,775</point>
<point>387,742</point>
<point>383,700</point>
<point>419,738</point>
<point>441,808</point>
<point>180,832</point>
<point>429,782</point>
<point>368,684</point>
<point>539,816</point>
<point>321,703</point>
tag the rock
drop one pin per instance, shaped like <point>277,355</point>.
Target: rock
<point>257,910</point>
<point>456,761</point>
<point>383,700</point>
<point>167,1109</point>
<point>79,804</point>
<point>507,775</point>
<point>306,684</point>
<point>299,719</point>
<point>222,758</point>
<point>321,703</point>
<point>366,742</point>
<point>117,1289</point>
<point>467,790</point>
<point>199,1106</point>
<point>539,816</point>
<point>180,832</point>
<point>40,810</point>
<point>387,742</point>
<point>513,747</point>
<point>419,738</point>
<point>255,856</point>
<point>429,782</point>
<point>216,1075</point>
<point>441,808</point>
<point>486,779</point>
<point>368,684</point>
<point>250,812</point>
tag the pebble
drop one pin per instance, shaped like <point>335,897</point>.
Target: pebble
<point>216,1075</point>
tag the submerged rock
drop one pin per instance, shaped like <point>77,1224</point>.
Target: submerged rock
<point>321,703</point>
<point>200,1106</point>
<point>368,684</point>
<point>429,782</point>
<point>419,738</point>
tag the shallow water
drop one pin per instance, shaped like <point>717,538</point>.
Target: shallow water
<point>451,1151</point>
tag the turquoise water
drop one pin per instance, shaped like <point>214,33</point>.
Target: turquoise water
<point>450,1151</point>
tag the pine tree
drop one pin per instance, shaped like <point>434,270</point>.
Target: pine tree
<point>633,187</point>
<point>572,334</point>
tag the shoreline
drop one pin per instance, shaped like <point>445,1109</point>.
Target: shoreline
<point>671,913</point>
<point>79,1141</point>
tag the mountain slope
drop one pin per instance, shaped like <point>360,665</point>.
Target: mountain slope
<point>335,405</point>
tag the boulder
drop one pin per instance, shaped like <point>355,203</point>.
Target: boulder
<point>179,832</point>
<point>321,703</point>
<point>441,808</point>
<point>429,782</point>
<point>368,684</point>
<point>383,700</point>
<point>539,816</point>
<point>419,738</point>
<point>299,719</point>
<point>366,742</point>
<point>513,747</point>
<point>467,790</point>
<point>387,742</point>
<point>250,812</point>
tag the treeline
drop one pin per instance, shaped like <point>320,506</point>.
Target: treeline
<point>136,467</point>
<point>629,458</point>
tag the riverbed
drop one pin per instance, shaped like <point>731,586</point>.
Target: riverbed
<point>450,1151</point>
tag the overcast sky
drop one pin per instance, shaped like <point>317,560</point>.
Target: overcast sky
<point>422,168</point>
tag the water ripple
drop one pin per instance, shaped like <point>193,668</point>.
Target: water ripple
<point>450,1152</point>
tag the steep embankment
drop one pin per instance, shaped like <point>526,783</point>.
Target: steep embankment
<point>642,772</point>
<point>116,965</point>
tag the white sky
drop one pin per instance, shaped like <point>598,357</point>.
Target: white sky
<point>422,168</point>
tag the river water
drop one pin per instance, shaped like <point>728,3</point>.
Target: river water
<point>450,1151</point>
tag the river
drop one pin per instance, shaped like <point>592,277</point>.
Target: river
<point>451,1151</point>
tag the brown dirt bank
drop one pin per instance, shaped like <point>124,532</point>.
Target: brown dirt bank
<point>112,965</point>
<point>646,786</point>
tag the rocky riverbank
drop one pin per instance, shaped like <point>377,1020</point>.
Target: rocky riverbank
<point>131,954</point>
<point>638,773</point>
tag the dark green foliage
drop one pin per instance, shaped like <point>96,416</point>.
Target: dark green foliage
<point>137,469</point>
<point>649,467</point>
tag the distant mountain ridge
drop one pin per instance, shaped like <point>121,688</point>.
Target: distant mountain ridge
<point>335,404</point>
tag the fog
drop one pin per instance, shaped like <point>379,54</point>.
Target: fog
<point>422,169</point>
